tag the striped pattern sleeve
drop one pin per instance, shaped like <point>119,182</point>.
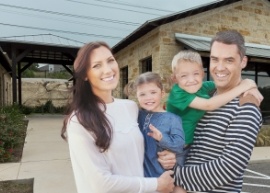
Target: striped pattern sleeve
<point>223,143</point>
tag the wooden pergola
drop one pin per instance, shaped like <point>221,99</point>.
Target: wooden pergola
<point>33,52</point>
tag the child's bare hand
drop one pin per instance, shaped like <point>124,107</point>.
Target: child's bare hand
<point>166,159</point>
<point>155,133</point>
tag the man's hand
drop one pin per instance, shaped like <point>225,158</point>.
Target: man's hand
<point>167,159</point>
<point>155,133</point>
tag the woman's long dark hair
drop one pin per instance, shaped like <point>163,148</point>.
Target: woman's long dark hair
<point>85,104</point>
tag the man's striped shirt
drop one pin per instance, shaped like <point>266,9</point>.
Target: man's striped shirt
<point>223,143</point>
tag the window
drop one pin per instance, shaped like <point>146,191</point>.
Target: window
<point>146,65</point>
<point>260,72</point>
<point>205,61</point>
<point>124,80</point>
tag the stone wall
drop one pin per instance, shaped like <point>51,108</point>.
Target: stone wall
<point>36,92</point>
<point>250,17</point>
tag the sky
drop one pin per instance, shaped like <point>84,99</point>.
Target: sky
<point>84,20</point>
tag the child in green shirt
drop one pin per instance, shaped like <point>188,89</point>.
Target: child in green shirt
<point>190,96</point>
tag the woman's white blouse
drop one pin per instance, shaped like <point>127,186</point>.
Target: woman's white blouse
<point>120,168</point>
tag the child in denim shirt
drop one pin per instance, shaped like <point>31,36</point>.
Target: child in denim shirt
<point>161,130</point>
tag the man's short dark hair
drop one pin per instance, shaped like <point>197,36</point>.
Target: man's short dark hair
<point>231,37</point>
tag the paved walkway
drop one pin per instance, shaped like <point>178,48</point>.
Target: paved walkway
<point>46,157</point>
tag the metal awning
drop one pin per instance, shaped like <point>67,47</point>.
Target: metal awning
<point>202,44</point>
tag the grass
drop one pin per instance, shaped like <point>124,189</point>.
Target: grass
<point>18,150</point>
<point>17,186</point>
<point>23,185</point>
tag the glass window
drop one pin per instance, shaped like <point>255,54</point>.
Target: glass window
<point>206,63</point>
<point>260,73</point>
<point>146,65</point>
<point>248,74</point>
<point>264,87</point>
<point>124,80</point>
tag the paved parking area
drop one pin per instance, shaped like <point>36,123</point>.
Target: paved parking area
<point>257,178</point>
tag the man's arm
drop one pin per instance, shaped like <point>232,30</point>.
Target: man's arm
<point>234,159</point>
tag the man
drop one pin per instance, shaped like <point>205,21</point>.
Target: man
<point>224,138</point>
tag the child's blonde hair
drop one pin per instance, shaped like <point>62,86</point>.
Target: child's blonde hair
<point>186,56</point>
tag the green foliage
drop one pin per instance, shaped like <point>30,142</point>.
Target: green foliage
<point>11,123</point>
<point>17,186</point>
<point>59,75</point>
<point>44,74</point>
<point>33,67</point>
<point>34,72</point>
<point>26,110</point>
<point>28,74</point>
<point>263,138</point>
<point>48,107</point>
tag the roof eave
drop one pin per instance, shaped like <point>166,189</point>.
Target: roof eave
<point>4,41</point>
<point>152,24</point>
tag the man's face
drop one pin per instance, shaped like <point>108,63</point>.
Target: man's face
<point>226,66</point>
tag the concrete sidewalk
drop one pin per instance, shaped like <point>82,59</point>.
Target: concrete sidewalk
<point>46,157</point>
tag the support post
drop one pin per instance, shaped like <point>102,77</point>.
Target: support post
<point>14,74</point>
<point>20,83</point>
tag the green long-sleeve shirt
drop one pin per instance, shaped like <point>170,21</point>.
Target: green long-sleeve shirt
<point>178,103</point>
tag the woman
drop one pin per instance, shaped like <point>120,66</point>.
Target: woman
<point>105,143</point>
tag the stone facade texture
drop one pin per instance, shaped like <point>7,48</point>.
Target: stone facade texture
<point>249,17</point>
<point>36,92</point>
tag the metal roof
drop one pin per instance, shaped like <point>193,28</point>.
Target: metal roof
<point>43,39</point>
<point>202,44</point>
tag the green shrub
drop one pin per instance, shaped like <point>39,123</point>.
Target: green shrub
<point>11,123</point>
<point>28,74</point>
<point>59,75</point>
<point>48,107</point>
<point>263,138</point>
<point>26,110</point>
